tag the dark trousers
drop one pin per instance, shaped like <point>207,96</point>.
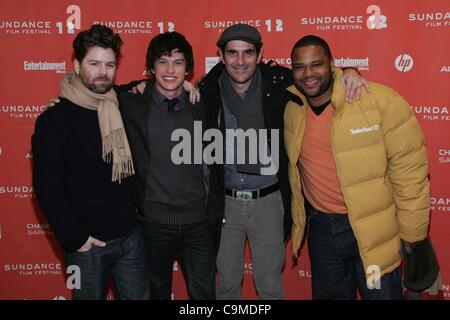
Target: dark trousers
<point>336,266</point>
<point>122,259</point>
<point>195,247</point>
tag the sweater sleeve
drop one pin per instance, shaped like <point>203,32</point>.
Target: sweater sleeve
<point>49,147</point>
<point>407,168</point>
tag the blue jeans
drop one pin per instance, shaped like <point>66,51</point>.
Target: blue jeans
<point>195,246</point>
<point>123,259</point>
<point>336,266</point>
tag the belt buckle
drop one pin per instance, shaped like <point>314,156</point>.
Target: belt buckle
<point>244,195</point>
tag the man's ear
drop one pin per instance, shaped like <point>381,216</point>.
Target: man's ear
<point>221,56</point>
<point>258,60</point>
<point>76,66</point>
<point>332,65</point>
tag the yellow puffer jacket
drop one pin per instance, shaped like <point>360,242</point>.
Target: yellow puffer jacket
<point>382,167</point>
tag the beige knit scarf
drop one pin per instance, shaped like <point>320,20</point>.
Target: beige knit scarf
<point>114,140</point>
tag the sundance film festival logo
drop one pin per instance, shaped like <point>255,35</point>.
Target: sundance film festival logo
<point>44,27</point>
<point>359,63</point>
<point>73,21</point>
<point>373,21</point>
<point>58,67</point>
<point>252,147</point>
<point>404,62</point>
<point>269,25</point>
<point>38,229</point>
<point>35,27</point>
<point>19,192</point>
<point>135,27</point>
<point>431,19</point>
<point>22,111</point>
<point>34,269</point>
<point>440,203</point>
<point>431,113</point>
<point>443,156</point>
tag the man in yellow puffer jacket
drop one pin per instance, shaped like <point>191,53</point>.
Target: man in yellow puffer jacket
<point>363,170</point>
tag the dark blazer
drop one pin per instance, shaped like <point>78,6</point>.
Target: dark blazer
<point>135,110</point>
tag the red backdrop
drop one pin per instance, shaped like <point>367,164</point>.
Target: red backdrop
<point>403,44</point>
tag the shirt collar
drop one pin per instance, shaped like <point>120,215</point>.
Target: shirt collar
<point>158,98</point>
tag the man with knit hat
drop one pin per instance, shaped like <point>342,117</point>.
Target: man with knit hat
<point>241,93</point>
<point>82,175</point>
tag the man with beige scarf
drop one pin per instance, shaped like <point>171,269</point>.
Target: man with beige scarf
<point>83,173</point>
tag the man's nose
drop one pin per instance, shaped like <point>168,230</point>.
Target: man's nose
<point>170,68</point>
<point>102,70</point>
<point>308,71</point>
<point>240,59</point>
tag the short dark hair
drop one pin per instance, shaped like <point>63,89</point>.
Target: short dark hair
<point>163,45</point>
<point>96,36</point>
<point>312,40</point>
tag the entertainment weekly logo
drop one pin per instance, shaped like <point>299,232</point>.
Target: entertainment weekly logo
<point>438,19</point>
<point>431,112</point>
<point>372,19</point>
<point>58,67</point>
<point>358,63</point>
<point>137,27</point>
<point>19,111</point>
<point>440,204</point>
<point>17,192</point>
<point>262,24</point>
<point>70,22</point>
<point>34,269</point>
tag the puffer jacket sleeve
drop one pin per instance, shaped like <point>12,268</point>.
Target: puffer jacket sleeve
<point>407,167</point>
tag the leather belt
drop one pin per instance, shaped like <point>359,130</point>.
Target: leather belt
<point>254,194</point>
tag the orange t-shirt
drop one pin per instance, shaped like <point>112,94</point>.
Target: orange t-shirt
<point>316,164</point>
